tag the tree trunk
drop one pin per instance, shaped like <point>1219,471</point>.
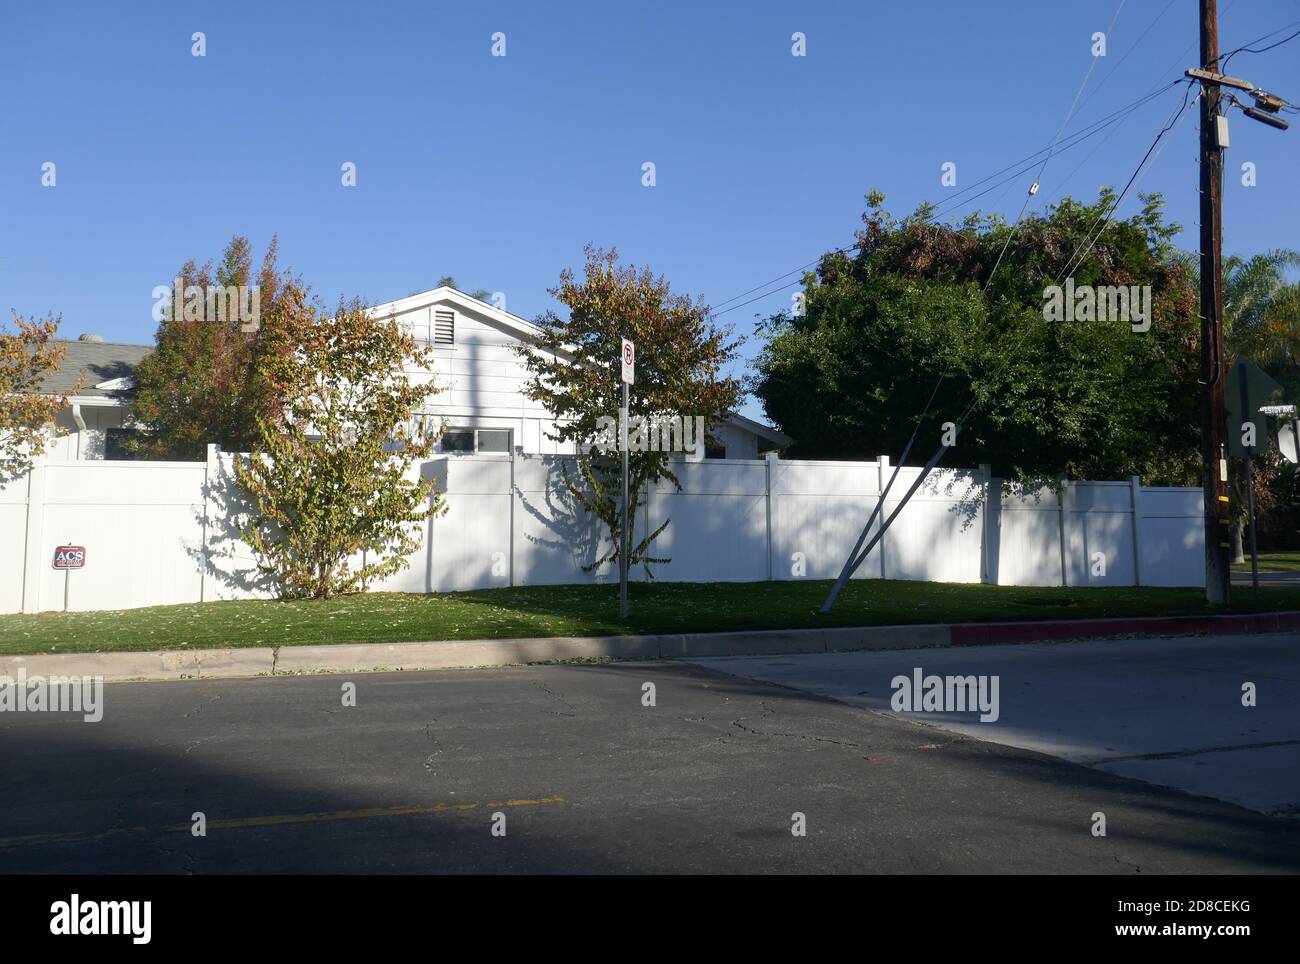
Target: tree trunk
<point>1238,553</point>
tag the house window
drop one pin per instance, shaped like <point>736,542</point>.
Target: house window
<point>715,451</point>
<point>493,439</point>
<point>477,440</point>
<point>444,326</point>
<point>458,440</point>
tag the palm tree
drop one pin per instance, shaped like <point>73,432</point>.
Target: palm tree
<point>1261,309</point>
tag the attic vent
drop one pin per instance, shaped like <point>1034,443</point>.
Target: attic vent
<point>444,327</point>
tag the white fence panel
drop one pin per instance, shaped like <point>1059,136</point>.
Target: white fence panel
<point>1173,537</point>
<point>1025,538</point>
<point>717,528</point>
<point>556,540</point>
<point>938,536</point>
<point>818,511</point>
<point>13,540</point>
<point>1099,534</point>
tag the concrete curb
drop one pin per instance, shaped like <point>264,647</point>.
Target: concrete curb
<point>162,664</point>
<point>465,654</point>
<point>983,634</point>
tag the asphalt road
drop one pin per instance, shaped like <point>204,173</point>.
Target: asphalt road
<point>588,780</point>
<point>1168,711</point>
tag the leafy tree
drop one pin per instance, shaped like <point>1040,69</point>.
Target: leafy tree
<point>575,372</point>
<point>482,294</point>
<point>1261,310</point>
<point>203,382</point>
<point>1091,399</point>
<point>28,355</point>
<point>334,506</point>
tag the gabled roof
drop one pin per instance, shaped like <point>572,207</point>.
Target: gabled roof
<point>441,295</point>
<point>95,362</point>
<point>776,437</point>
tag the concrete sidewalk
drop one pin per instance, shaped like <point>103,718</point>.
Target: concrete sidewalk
<point>463,654</point>
<point>1166,711</point>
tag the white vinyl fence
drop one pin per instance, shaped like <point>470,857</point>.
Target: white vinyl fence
<point>166,532</point>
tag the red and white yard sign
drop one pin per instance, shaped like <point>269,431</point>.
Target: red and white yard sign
<point>69,557</point>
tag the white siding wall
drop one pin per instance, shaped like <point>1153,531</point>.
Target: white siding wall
<point>75,444</point>
<point>481,379</point>
<point>482,382</point>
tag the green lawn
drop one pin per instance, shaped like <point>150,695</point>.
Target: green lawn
<point>1272,562</point>
<point>588,611</point>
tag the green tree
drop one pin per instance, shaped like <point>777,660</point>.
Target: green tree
<point>575,372</point>
<point>203,382</point>
<point>1261,309</point>
<point>334,502</point>
<point>907,306</point>
<point>482,294</point>
<point>28,355</point>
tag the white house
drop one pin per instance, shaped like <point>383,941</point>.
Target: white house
<point>95,420</point>
<point>482,403</point>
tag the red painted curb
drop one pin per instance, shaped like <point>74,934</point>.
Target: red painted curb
<point>987,634</point>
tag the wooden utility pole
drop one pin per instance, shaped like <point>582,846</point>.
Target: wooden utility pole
<point>1218,569</point>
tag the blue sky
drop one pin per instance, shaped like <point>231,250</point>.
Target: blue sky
<point>499,169</point>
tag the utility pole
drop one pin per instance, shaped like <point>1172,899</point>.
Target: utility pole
<point>1214,138</point>
<point>1218,568</point>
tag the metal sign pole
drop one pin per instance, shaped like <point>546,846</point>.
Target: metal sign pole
<point>1248,417</point>
<point>623,550</point>
<point>67,580</point>
<point>627,359</point>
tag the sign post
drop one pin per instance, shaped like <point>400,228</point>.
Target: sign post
<point>628,359</point>
<point>1249,387</point>
<point>68,558</point>
<point>1248,457</point>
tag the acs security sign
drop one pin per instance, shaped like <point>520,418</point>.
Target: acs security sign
<point>69,557</point>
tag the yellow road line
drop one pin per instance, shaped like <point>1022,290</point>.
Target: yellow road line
<point>277,820</point>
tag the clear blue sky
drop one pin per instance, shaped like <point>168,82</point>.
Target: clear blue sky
<point>498,170</point>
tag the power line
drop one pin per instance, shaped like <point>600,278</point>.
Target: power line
<point>1136,44</point>
<point>1022,166</point>
<point>1177,114</point>
<point>1072,141</point>
<point>1092,238</point>
<point>1248,49</point>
